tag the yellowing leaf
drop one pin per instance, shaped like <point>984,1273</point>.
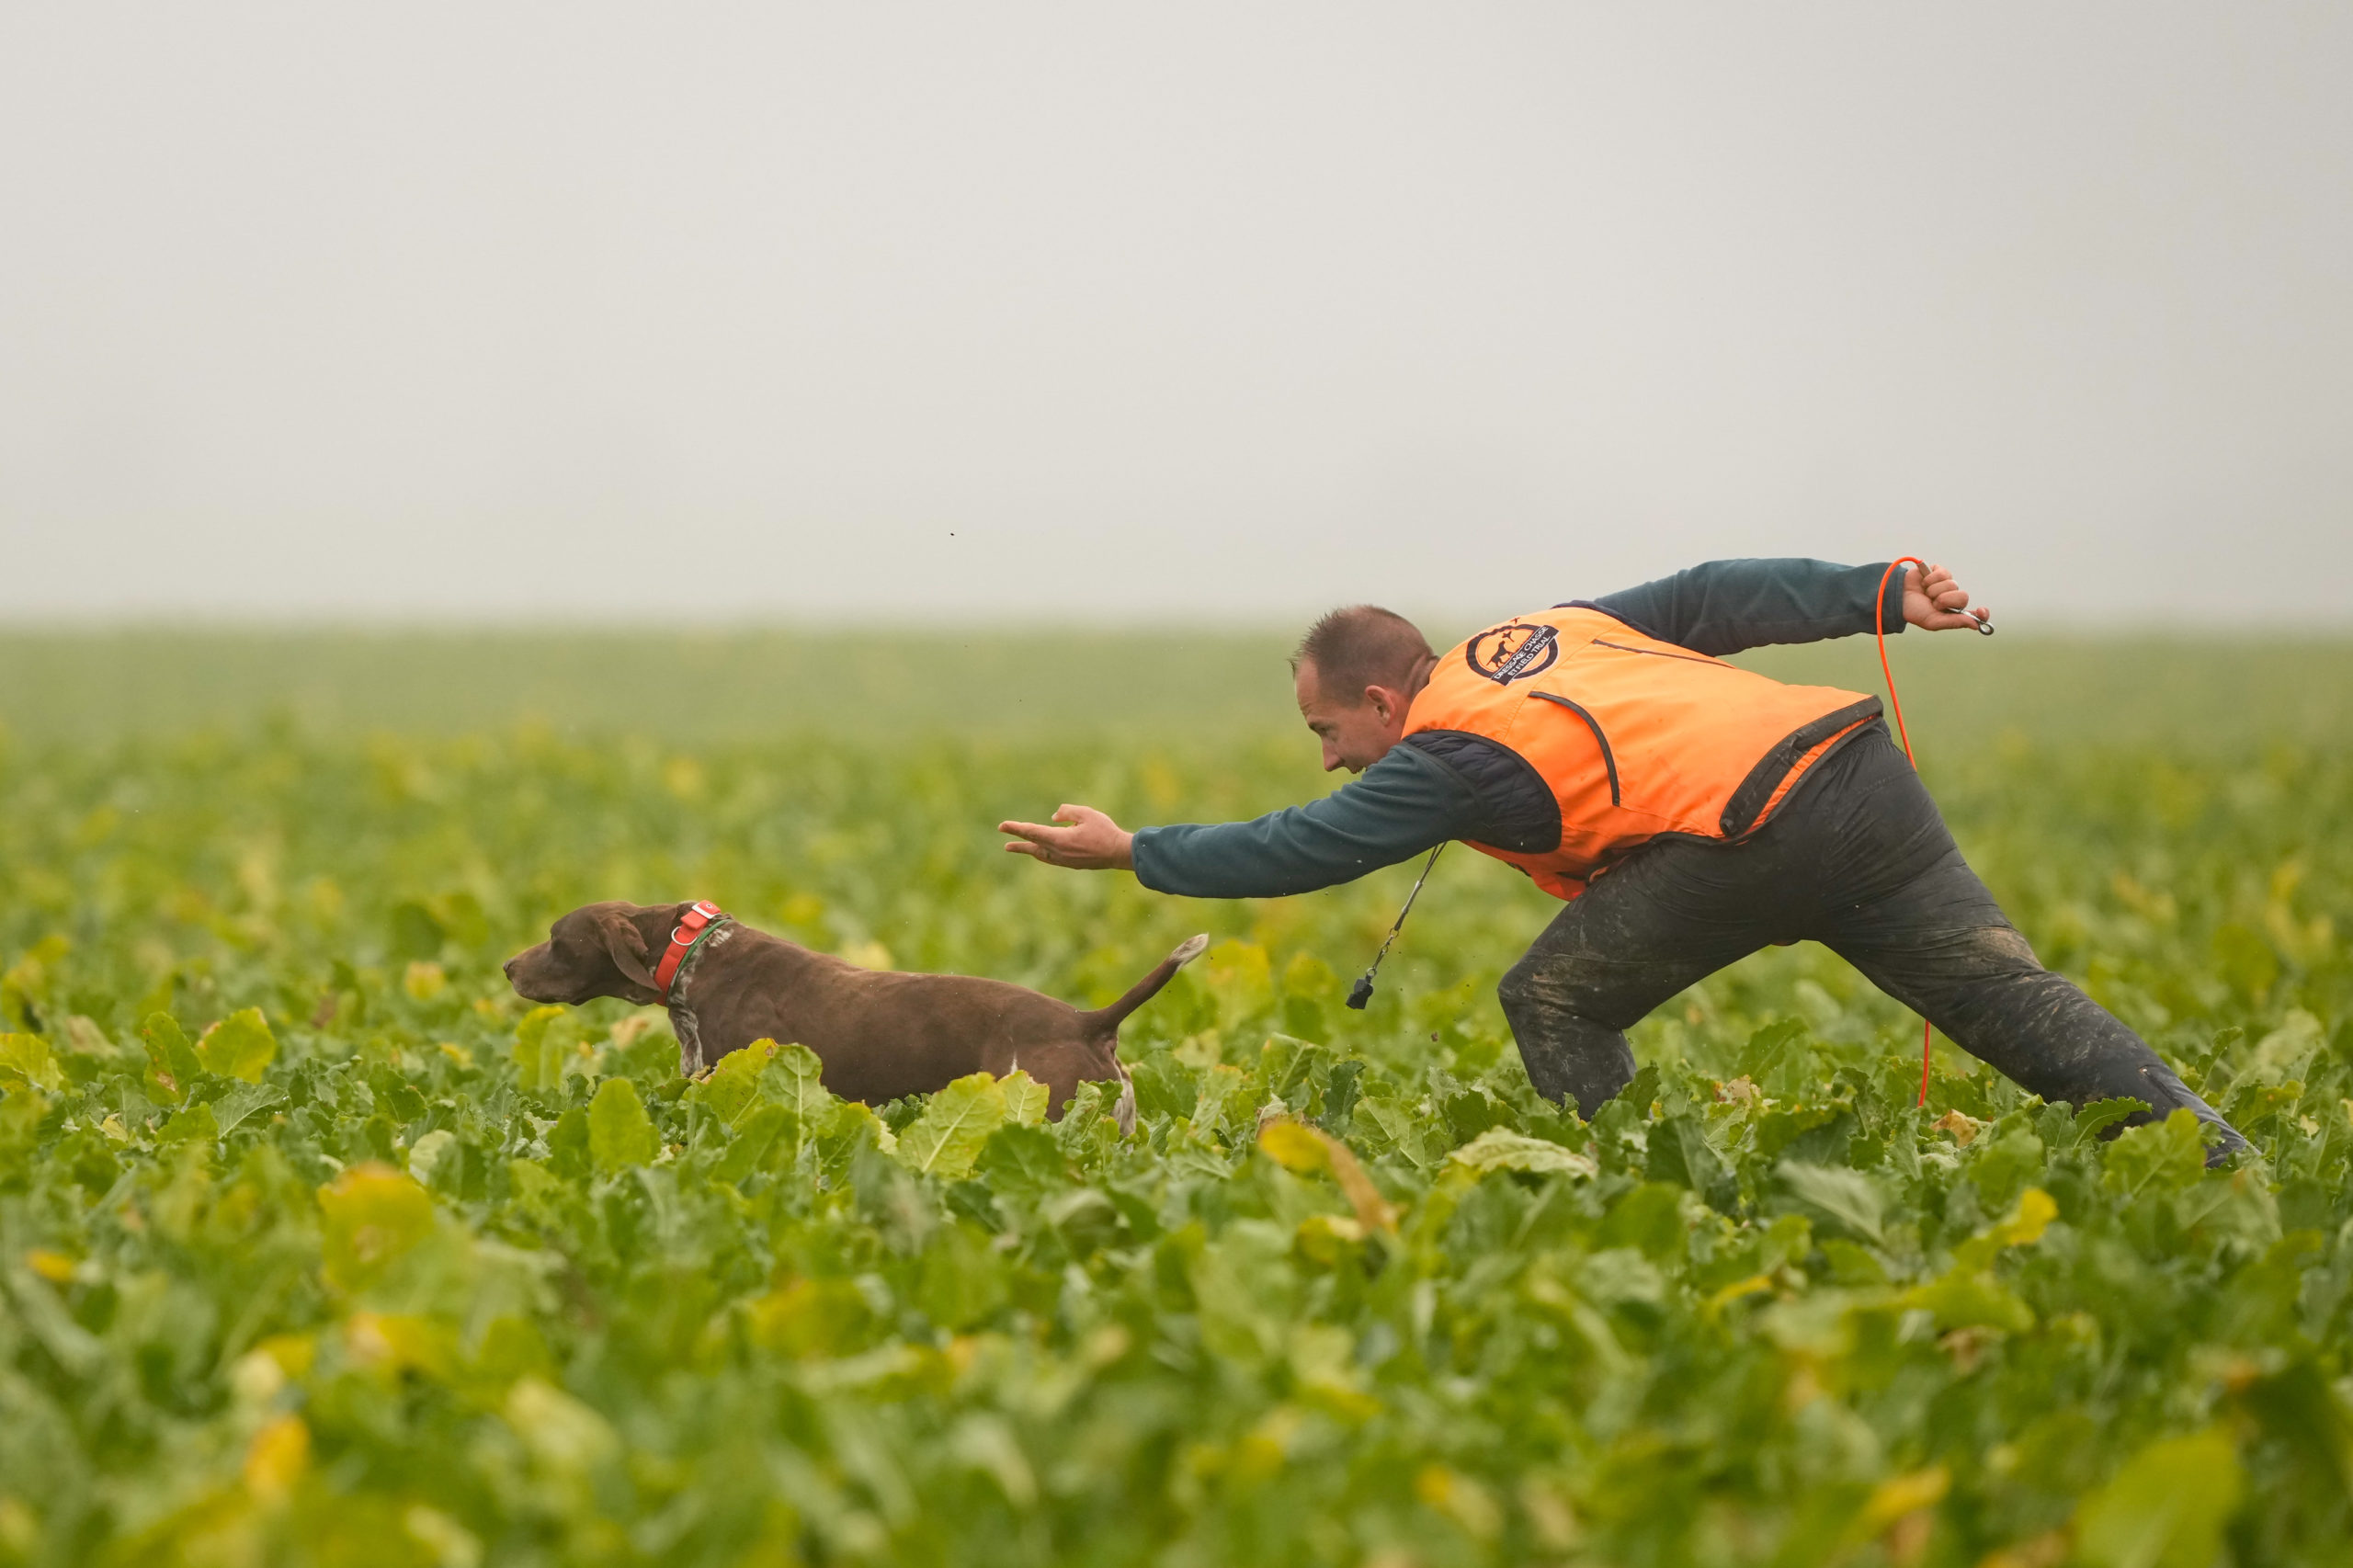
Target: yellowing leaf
<point>53,1267</point>
<point>239,1046</point>
<point>1293,1146</point>
<point>1326,1238</point>
<point>1902,1495</point>
<point>1459,1498</point>
<point>27,1056</point>
<point>812,1317</point>
<point>1297,1146</point>
<point>2027,1223</point>
<point>619,1133</point>
<point>947,1138</point>
<point>276,1458</point>
<point>1967,1295</point>
<point>373,1215</point>
<point>1962,1128</point>
<point>1755,1284</point>
<point>393,1343</point>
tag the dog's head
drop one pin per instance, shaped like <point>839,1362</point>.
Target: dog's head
<point>598,950</point>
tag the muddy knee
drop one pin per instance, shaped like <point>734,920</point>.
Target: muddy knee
<point>1531,988</point>
<point>1573,1061</point>
<point>1518,991</point>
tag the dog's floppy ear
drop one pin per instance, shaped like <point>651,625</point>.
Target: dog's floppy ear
<point>627,949</point>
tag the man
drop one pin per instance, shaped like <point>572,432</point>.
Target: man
<point>1691,811</point>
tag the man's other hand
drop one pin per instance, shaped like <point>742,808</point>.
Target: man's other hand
<point>1090,841</point>
<point>1936,603</point>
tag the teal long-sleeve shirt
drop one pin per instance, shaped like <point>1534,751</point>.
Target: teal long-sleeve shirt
<point>1411,800</point>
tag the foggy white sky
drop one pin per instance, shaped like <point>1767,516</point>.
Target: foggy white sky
<point>1095,310</point>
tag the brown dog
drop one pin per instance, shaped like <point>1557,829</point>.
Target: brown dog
<point>878,1035</point>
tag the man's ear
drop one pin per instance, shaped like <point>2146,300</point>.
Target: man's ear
<point>627,949</point>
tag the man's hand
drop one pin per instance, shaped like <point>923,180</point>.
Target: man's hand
<point>1936,603</point>
<point>1092,842</point>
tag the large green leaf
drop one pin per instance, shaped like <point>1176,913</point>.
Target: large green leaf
<point>1849,1197</point>
<point>734,1084</point>
<point>619,1133</point>
<point>793,1079</point>
<point>2157,1157</point>
<point>232,1109</point>
<point>239,1046</point>
<point>1024,1098</point>
<point>28,1057</point>
<point>1500,1149</point>
<point>947,1138</point>
<point>174,1067</point>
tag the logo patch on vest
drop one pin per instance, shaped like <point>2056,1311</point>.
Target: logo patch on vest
<point>1513,653</point>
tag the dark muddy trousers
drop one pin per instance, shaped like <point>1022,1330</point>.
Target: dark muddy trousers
<point>1857,859</point>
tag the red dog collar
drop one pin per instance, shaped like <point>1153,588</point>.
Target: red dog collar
<point>700,919</point>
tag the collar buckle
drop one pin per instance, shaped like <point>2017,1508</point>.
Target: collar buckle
<point>700,919</point>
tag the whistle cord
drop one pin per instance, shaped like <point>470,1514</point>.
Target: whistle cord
<point>1361,992</point>
<point>1879,626</point>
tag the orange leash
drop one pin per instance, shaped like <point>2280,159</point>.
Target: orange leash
<point>1879,626</point>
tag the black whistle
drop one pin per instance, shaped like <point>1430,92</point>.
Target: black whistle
<point>1361,992</point>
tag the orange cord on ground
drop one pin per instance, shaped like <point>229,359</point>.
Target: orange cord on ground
<point>1879,625</point>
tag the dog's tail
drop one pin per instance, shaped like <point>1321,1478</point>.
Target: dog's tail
<point>1110,1019</point>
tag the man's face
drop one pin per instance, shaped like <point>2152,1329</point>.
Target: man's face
<point>1356,727</point>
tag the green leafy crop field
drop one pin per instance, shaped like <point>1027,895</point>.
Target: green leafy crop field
<point>319,1245</point>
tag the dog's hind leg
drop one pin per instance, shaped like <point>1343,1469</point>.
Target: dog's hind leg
<point>1063,1065</point>
<point>1125,1111</point>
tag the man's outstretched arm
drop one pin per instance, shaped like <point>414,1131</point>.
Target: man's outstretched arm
<point>1725,605</point>
<point>1405,803</point>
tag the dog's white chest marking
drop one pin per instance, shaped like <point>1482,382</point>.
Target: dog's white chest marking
<point>683,1022</point>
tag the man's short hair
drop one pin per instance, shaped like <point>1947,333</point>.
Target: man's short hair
<point>1362,646</point>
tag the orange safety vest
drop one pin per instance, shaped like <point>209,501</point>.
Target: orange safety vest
<point>1636,738</point>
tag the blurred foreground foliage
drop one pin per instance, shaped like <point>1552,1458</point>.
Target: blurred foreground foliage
<point>318,1246</point>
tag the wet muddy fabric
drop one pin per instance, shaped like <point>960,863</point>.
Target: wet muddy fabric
<point>1858,859</point>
